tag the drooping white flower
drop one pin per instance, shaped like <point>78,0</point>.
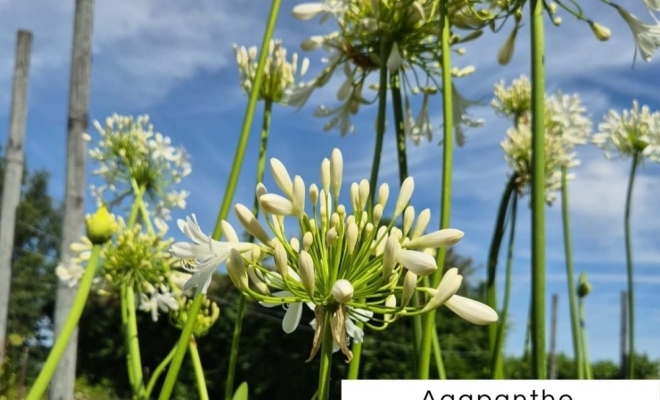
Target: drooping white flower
<point>69,273</point>
<point>158,299</point>
<point>205,253</point>
<point>647,36</point>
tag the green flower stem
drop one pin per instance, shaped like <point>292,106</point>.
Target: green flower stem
<point>133,342</point>
<point>175,366</point>
<point>199,371</point>
<point>497,362</point>
<point>442,374</point>
<point>493,254</point>
<point>326,358</point>
<point>247,121</point>
<point>539,369</point>
<point>430,329</point>
<point>238,325</point>
<point>135,209</point>
<point>629,269</point>
<point>146,218</point>
<point>397,105</point>
<point>570,275</point>
<point>380,126</point>
<point>586,364</point>
<point>354,366</point>
<point>124,323</point>
<point>228,197</point>
<point>159,370</point>
<point>41,384</point>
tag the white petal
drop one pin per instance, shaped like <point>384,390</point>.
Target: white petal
<point>420,263</point>
<point>471,310</point>
<point>292,317</point>
<point>354,331</point>
<point>434,240</point>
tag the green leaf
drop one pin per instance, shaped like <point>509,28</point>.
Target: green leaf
<point>242,392</point>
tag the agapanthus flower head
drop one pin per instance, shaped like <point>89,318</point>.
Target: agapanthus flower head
<point>137,259</point>
<point>155,299</point>
<point>345,265</point>
<point>514,101</point>
<point>634,131</point>
<point>279,73</point>
<point>130,154</point>
<point>206,317</point>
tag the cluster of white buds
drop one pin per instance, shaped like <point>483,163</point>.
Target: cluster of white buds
<point>131,155</point>
<point>566,125</point>
<point>408,31</point>
<point>634,131</point>
<point>346,266</point>
<point>279,74</point>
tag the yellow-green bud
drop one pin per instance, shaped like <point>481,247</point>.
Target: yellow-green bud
<point>100,226</point>
<point>584,287</point>
<point>601,32</point>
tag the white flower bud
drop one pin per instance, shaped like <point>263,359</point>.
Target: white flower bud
<point>251,224</point>
<point>313,194</point>
<point>409,284</point>
<point>351,237</point>
<point>336,171</point>
<point>420,263</point>
<point>448,286</point>
<point>281,259</point>
<point>276,204</point>
<point>390,302</point>
<point>434,240</point>
<point>325,176</point>
<point>389,256</point>
<point>405,193</point>
<point>394,60</point>
<point>258,283</point>
<point>408,218</point>
<point>422,222</point>
<point>383,194</point>
<point>378,213</point>
<point>261,190</point>
<point>298,197</point>
<point>342,291</point>
<point>471,310</point>
<point>229,232</point>
<point>307,11</point>
<point>295,244</point>
<point>308,239</point>
<point>312,43</point>
<point>306,269</point>
<point>281,176</point>
<point>236,270</point>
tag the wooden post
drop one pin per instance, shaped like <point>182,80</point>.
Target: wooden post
<point>624,335</point>
<point>552,365</point>
<point>11,192</point>
<point>62,384</point>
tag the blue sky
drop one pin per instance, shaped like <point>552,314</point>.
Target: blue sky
<point>175,63</point>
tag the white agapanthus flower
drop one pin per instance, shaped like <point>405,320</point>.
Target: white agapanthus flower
<point>70,273</point>
<point>647,36</point>
<point>634,131</point>
<point>160,299</point>
<point>347,264</point>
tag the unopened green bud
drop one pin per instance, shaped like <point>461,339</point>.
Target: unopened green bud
<point>100,226</point>
<point>584,287</point>
<point>206,317</point>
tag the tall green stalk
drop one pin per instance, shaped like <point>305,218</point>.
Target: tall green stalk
<point>539,369</point>
<point>159,370</point>
<point>133,342</point>
<point>586,364</point>
<point>570,275</point>
<point>629,268</point>
<point>354,366</point>
<point>238,325</point>
<point>497,360</point>
<point>326,358</point>
<point>491,283</point>
<point>445,202</point>
<point>199,371</point>
<point>41,384</point>
<point>226,201</point>
<point>397,107</point>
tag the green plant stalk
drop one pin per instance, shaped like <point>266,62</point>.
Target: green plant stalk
<point>380,127</point>
<point>199,371</point>
<point>158,371</point>
<point>133,342</point>
<point>41,384</point>
<point>397,106</point>
<point>326,358</point>
<point>430,329</point>
<point>229,195</point>
<point>570,275</point>
<point>440,365</point>
<point>124,322</point>
<point>175,366</point>
<point>539,369</point>
<point>354,366</point>
<point>493,254</point>
<point>585,345</point>
<point>238,325</point>
<point>629,268</point>
<point>135,209</point>
<point>497,360</point>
